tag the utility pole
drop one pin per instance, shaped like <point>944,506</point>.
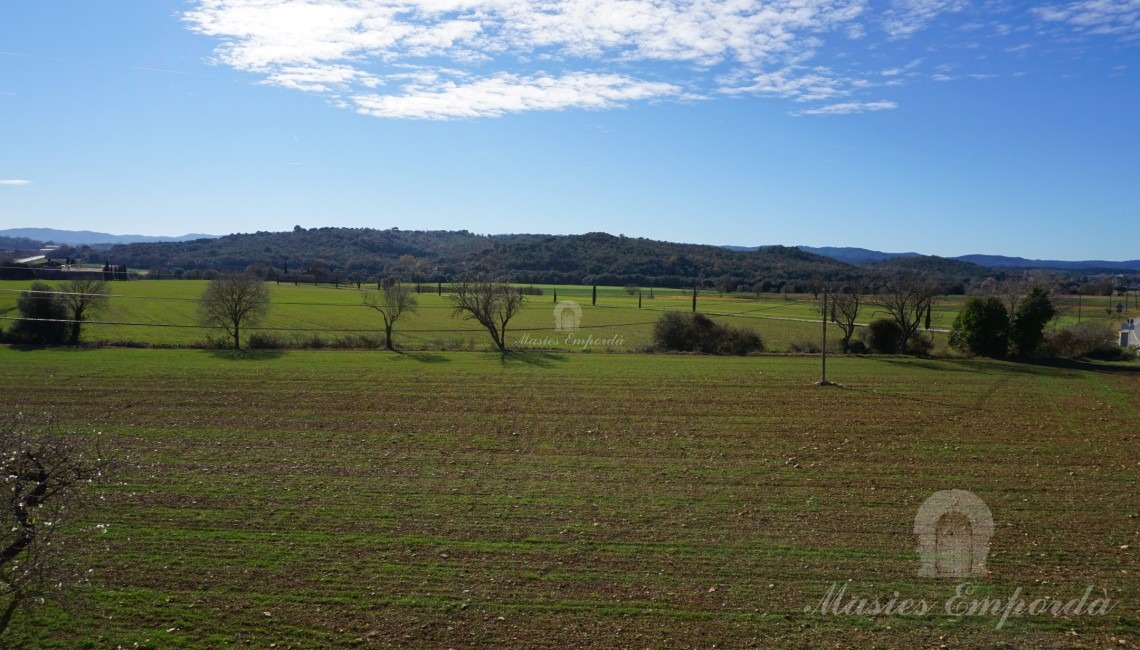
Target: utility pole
<point>823,348</point>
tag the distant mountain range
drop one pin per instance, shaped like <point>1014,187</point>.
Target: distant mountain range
<point>853,255</point>
<point>1001,261</point>
<point>87,237</point>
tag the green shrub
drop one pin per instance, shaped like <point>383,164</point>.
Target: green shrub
<point>884,336</point>
<point>920,345</point>
<point>735,340</point>
<point>45,313</point>
<point>1092,340</point>
<point>1028,329</point>
<point>266,341</point>
<point>311,341</point>
<point>982,328</point>
<point>804,346</point>
<point>357,342</point>
<point>695,332</point>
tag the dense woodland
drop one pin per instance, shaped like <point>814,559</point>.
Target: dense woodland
<point>364,254</point>
<point>19,244</point>
<point>431,256</point>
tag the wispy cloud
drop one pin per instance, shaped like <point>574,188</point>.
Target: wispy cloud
<point>507,93</point>
<point>439,59</point>
<point>976,76</point>
<point>455,59</point>
<point>14,182</point>
<point>847,108</point>
<point>799,84</point>
<point>894,72</point>
<point>905,17</point>
<point>1102,17</point>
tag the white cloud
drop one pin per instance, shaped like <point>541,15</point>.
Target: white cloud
<point>442,59</point>
<point>358,51</point>
<point>894,72</point>
<point>801,85</point>
<point>905,17</point>
<point>508,93</point>
<point>848,108</point>
<point>15,182</point>
<point>262,35</point>
<point>321,79</point>
<point>976,76</point>
<point>1104,17</point>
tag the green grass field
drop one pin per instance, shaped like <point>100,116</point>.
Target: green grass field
<point>314,499</point>
<point>163,313</point>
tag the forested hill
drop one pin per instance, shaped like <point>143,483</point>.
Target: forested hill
<point>430,256</point>
<point>20,243</point>
<point>947,267</point>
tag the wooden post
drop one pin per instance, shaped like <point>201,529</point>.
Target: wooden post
<point>823,348</point>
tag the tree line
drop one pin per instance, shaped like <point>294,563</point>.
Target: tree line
<point>343,255</point>
<point>1008,320</point>
<point>328,255</point>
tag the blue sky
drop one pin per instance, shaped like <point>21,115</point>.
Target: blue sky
<point>939,126</point>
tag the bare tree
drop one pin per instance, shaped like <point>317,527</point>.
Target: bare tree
<point>843,305</point>
<point>393,300</point>
<point>1013,290</point>
<point>45,471</point>
<point>816,285</point>
<point>234,301</point>
<point>906,299</point>
<point>84,298</point>
<point>492,302</point>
